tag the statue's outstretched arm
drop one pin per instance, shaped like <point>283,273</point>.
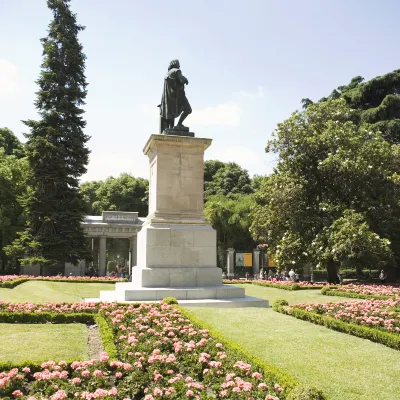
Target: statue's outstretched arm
<point>181,78</point>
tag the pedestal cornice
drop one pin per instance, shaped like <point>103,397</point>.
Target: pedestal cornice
<point>183,141</point>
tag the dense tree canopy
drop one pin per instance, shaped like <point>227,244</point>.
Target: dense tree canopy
<point>124,193</point>
<point>10,143</point>
<point>211,167</point>
<point>14,173</point>
<point>56,149</point>
<point>376,102</point>
<point>227,180</point>
<point>334,178</point>
<point>231,219</point>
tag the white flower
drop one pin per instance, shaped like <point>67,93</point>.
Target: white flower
<point>293,262</point>
<point>369,166</point>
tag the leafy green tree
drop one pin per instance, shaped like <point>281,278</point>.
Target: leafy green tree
<point>329,169</point>
<point>88,191</point>
<point>256,181</point>
<point>124,193</point>
<point>229,180</point>
<point>10,143</point>
<point>14,173</point>
<point>231,219</point>
<point>56,149</point>
<point>354,244</point>
<point>375,102</point>
<point>211,167</point>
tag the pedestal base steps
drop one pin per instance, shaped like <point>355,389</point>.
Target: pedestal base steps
<point>210,296</point>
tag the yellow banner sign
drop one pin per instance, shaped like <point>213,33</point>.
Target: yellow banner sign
<point>271,261</point>
<point>248,259</point>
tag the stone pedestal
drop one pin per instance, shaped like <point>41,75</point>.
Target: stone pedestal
<point>177,248</point>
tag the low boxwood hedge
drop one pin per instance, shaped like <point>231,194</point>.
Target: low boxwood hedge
<point>12,284</point>
<point>337,292</point>
<point>293,286</point>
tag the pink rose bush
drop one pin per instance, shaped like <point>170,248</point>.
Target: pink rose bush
<point>161,355</point>
<point>371,290</point>
<point>381,314</point>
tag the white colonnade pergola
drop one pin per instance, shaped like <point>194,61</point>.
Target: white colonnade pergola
<point>116,225</point>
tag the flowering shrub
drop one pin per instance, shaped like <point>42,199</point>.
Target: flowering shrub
<point>373,313</point>
<point>161,355</point>
<point>369,290</point>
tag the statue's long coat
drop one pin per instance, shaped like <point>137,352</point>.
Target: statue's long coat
<point>173,100</point>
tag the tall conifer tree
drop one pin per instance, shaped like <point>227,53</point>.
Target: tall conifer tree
<point>56,148</point>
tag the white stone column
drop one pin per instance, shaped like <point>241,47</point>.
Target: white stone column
<point>256,262</point>
<point>133,250</point>
<point>231,263</point>
<point>102,255</point>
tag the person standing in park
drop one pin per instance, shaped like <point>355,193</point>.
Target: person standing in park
<point>292,275</point>
<point>382,276</point>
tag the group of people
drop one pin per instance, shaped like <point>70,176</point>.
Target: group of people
<point>293,275</point>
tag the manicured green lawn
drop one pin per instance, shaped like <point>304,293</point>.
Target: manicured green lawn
<point>35,342</point>
<point>41,292</point>
<point>344,366</point>
<point>295,296</point>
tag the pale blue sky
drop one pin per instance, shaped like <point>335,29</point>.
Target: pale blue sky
<point>249,63</point>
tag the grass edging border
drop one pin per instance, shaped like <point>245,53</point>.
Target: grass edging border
<point>271,372</point>
<point>364,332</point>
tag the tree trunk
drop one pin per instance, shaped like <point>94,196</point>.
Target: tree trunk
<point>331,271</point>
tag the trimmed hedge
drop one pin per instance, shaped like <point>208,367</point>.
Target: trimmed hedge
<point>279,303</point>
<point>293,286</point>
<point>107,336</point>
<point>14,283</point>
<point>45,317</point>
<point>342,293</point>
<point>372,334</point>
<point>271,372</point>
<point>169,300</point>
<point>19,281</point>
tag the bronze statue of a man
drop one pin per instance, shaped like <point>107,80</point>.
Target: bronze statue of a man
<point>173,101</point>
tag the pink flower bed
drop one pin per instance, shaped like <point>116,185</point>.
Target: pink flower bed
<point>374,290</point>
<point>162,355</point>
<point>7,278</point>
<point>373,313</point>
